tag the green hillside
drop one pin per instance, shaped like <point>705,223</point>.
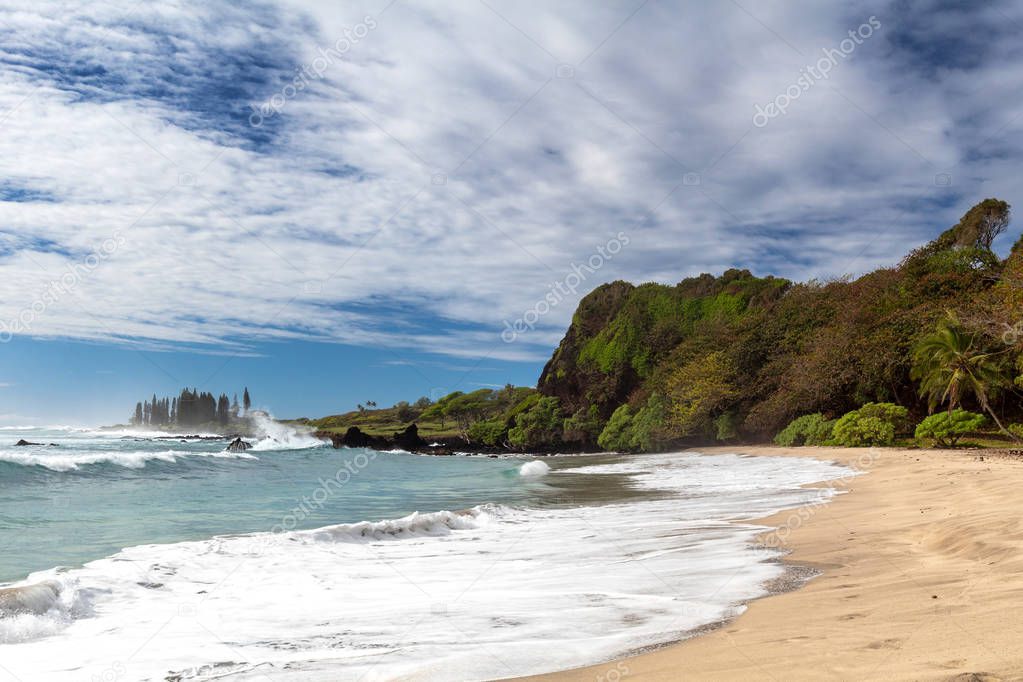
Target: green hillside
<point>738,357</point>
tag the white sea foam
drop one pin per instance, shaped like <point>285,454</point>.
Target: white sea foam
<point>133,459</point>
<point>484,593</point>
<point>534,469</point>
<point>273,435</point>
<point>416,524</point>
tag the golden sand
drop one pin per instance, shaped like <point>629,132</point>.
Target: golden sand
<point>922,579</point>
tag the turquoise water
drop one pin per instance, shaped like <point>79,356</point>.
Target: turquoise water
<point>146,559</point>
<point>96,493</point>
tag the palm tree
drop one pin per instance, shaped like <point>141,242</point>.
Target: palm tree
<point>948,365</point>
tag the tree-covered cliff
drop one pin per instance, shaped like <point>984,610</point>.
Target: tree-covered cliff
<point>850,361</point>
<point>717,358</point>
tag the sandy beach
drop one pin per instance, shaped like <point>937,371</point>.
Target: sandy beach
<point>921,579</point>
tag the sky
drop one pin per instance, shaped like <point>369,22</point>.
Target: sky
<point>335,202</point>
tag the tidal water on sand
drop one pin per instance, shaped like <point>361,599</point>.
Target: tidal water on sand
<point>129,556</point>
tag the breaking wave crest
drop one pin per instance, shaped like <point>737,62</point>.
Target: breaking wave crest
<point>416,524</point>
<point>135,459</point>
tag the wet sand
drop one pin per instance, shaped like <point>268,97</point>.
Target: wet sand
<point>920,578</point>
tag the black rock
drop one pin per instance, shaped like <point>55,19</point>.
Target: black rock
<point>409,438</point>
<point>25,442</point>
<point>355,438</point>
<point>238,445</point>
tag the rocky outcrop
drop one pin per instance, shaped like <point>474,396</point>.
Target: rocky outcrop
<point>355,438</point>
<point>23,442</point>
<point>409,439</point>
<point>564,377</point>
<point>238,445</point>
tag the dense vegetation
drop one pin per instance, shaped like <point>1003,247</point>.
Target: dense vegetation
<point>739,357</point>
<point>483,417</point>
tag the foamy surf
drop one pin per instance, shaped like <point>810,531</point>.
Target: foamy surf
<point>534,469</point>
<point>416,524</point>
<point>432,595</point>
<point>56,461</point>
<point>37,598</point>
<point>274,435</point>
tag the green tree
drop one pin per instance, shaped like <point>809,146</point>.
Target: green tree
<point>584,426</point>
<point>872,424</point>
<point>699,390</point>
<point>538,426</point>
<point>489,431</point>
<point>616,432</point>
<point>946,428</point>
<point>649,429</point>
<point>403,411</point>
<point>246,400</point>
<point>983,223</point>
<point>644,430</point>
<point>949,363</point>
<point>810,429</point>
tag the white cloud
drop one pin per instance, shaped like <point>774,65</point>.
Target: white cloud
<point>445,171</point>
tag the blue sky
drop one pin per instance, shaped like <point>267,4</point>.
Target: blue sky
<point>338,202</point>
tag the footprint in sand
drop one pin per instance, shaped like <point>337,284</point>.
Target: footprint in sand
<point>852,616</point>
<point>885,644</point>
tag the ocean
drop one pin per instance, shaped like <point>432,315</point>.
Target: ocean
<point>126,556</point>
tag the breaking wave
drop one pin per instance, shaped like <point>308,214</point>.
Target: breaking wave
<point>134,459</point>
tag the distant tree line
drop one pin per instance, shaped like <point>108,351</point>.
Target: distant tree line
<point>190,408</point>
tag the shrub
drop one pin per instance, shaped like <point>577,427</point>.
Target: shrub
<point>538,426</point>
<point>855,431</point>
<point>700,389</point>
<point>822,433</point>
<point>872,424</point>
<point>1016,429</point>
<point>810,429</point>
<point>615,433</point>
<point>584,426</point>
<point>488,432</point>
<point>642,431</point>
<point>886,412</point>
<point>648,430</point>
<point>946,429</point>
<point>726,427</point>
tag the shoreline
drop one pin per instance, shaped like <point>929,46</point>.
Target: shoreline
<point>919,564</point>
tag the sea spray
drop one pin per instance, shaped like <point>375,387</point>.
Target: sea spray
<point>273,435</point>
<point>534,469</point>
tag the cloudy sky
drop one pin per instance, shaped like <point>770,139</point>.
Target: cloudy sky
<point>340,201</point>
